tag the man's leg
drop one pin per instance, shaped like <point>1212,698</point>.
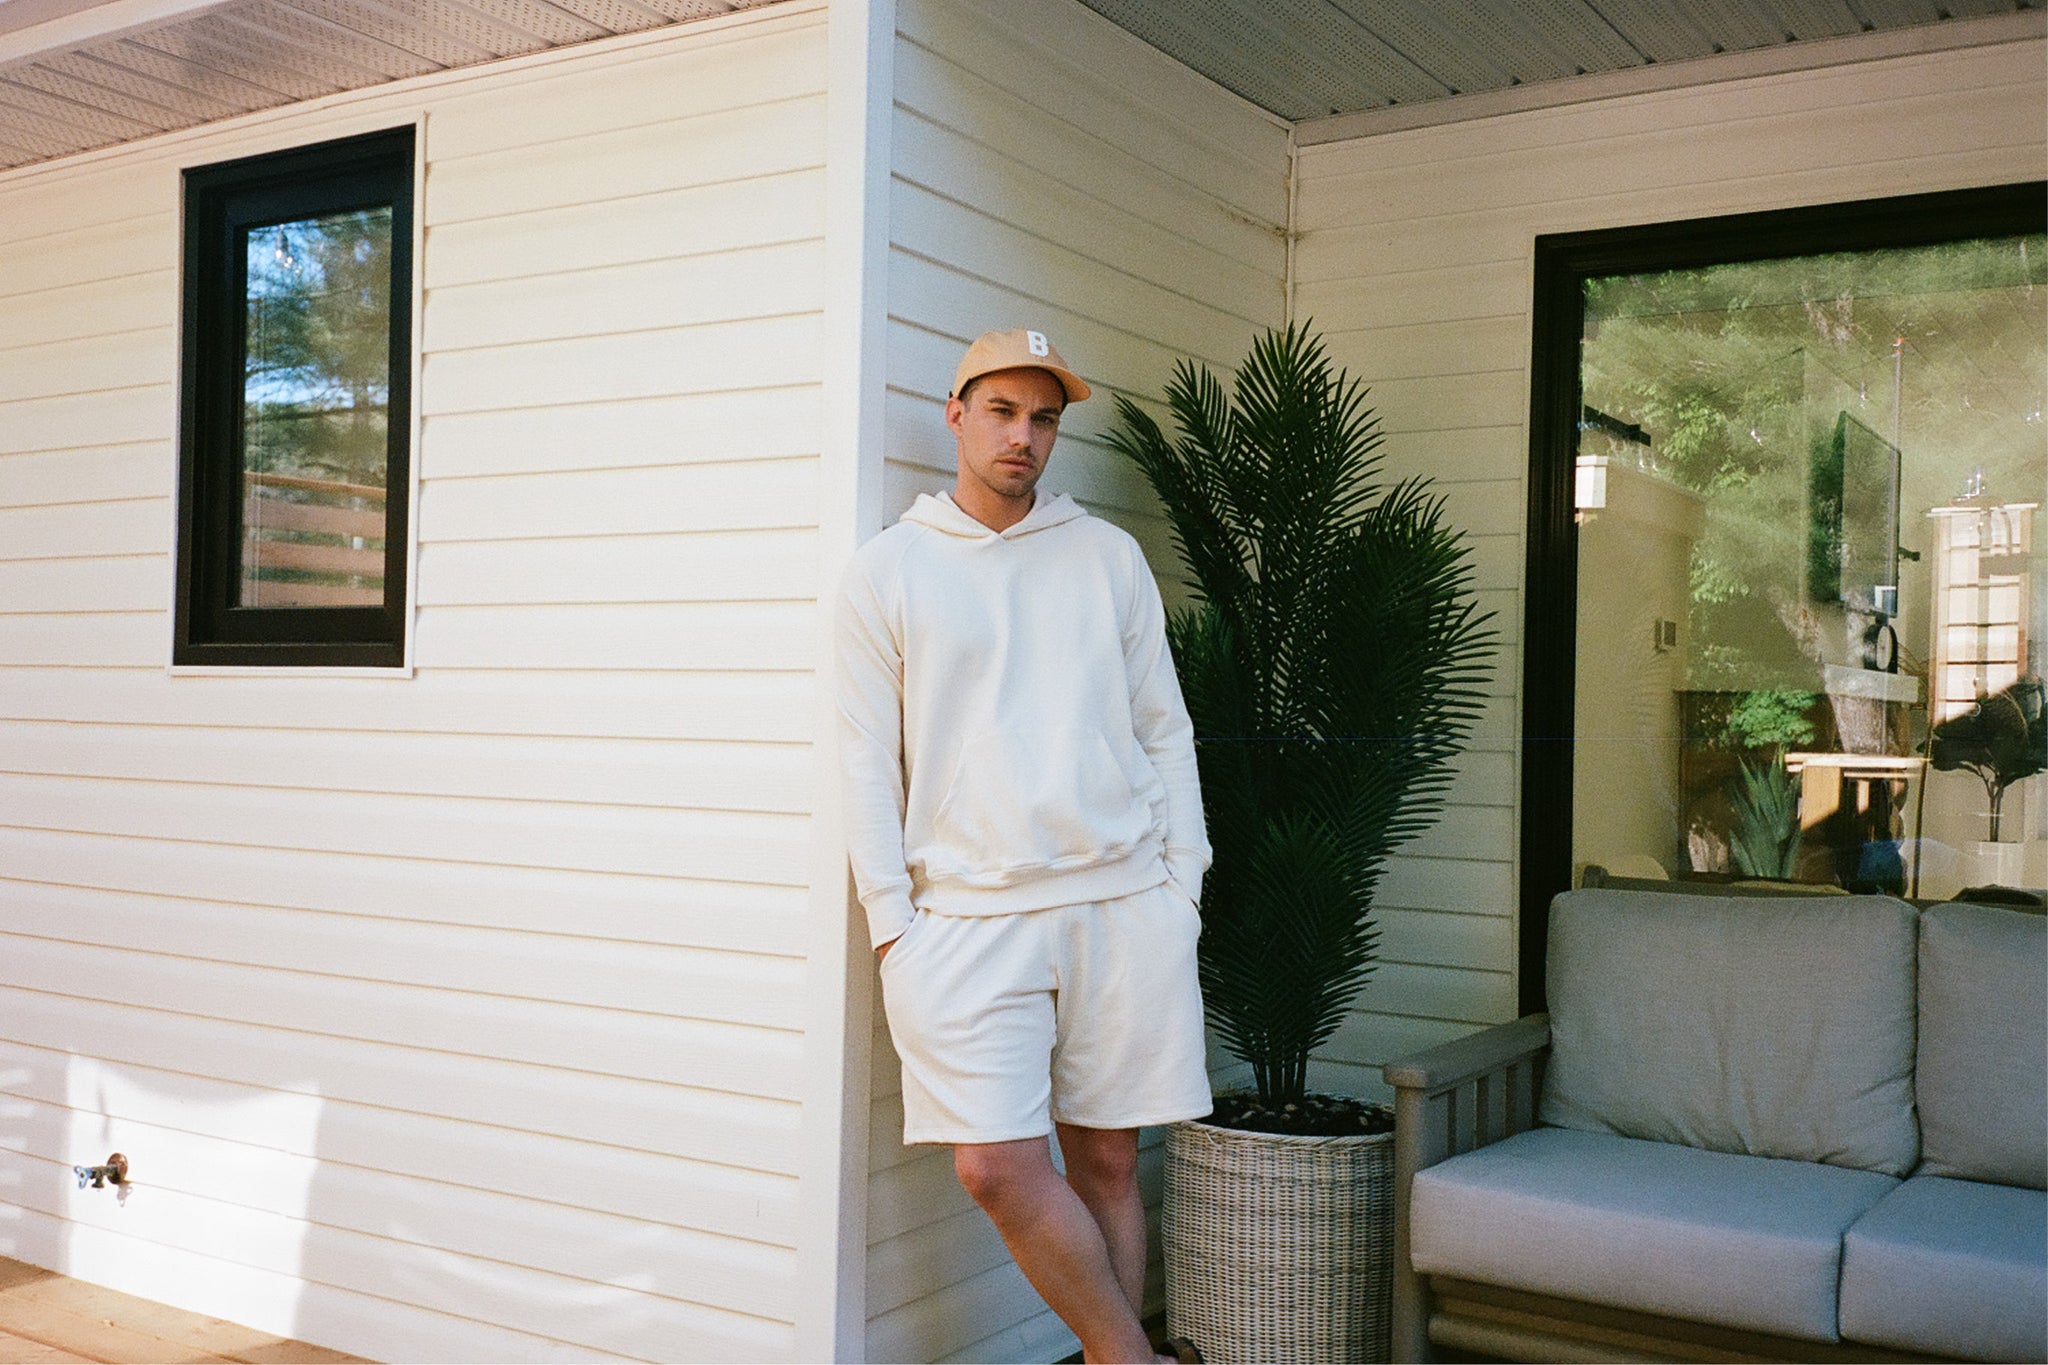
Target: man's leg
<point>1057,1243</point>
<point>1102,1166</point>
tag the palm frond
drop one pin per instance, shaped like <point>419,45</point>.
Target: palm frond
<point>1333,662</point>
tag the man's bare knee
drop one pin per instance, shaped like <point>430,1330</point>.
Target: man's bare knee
<point>994,1173</point>
<point>1100,1159</point>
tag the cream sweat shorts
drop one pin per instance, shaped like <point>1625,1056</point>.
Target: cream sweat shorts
<point>1082,1014</point>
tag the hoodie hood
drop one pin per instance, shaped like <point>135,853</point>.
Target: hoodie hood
<point>941,513</point>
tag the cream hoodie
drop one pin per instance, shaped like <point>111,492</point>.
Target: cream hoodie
<point>1013,733</point>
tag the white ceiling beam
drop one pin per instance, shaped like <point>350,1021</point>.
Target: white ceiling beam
<point>61,25</point>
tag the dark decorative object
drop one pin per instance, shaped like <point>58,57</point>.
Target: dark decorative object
<point>2001,739</point>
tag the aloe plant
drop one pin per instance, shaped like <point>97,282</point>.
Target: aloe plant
<point>1766,838</point>
<point>1333,662</point>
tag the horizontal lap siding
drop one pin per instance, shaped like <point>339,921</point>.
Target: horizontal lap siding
<point>1049,171</point>
<point>1413,256</point>
<point>457,1016</point>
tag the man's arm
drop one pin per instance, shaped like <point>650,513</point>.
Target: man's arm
<point>1160,719</point>
<point>869,681</point>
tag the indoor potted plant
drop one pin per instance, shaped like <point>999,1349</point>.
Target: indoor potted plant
<point>2003,739</point>
<point>1332,660</point>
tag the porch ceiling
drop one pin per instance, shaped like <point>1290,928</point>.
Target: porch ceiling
<point>81,74</point>
<point>1310,59</point>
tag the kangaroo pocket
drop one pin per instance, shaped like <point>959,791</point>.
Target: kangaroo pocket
<point>1024,801</point>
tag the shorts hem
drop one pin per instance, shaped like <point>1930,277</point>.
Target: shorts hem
<point>963,1138</point>
<point>1150,1119</point>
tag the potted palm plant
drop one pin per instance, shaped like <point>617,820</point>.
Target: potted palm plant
<point>1332,660</point>
<point>2003,740</point>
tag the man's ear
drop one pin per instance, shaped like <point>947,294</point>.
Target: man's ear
<point>955,412</point>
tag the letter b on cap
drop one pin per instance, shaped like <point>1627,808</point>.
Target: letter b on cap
<point>1036,341</point>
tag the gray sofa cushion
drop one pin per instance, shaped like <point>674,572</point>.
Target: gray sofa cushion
<point>1982,1078</point>
<point>1951,1267</point>
<point>1767,1027</point>
<point>1735,1240</point>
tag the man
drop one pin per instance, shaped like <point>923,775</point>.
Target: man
<point>1026,835</point>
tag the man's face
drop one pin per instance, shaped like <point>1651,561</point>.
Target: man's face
<point>1005,431</point>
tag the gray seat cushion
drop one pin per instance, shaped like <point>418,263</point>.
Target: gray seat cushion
<point>1768,1027</point>
<point>1950,1267</point>
<point>1983,1036</point>
<point>1736,1240</point>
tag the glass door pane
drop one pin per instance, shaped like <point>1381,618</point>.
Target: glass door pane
<point>1810,607</point>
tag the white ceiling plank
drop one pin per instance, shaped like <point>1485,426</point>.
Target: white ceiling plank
<point>1805,20</point>
<point>254,63</point>
<point>682,11</point>
<point>11,155</point>
<point>244,31</point>
<point>473,25</point>
<point>1901,13</point>
<point>1432,37</point>
<point>27,127</point>
<point>51,81</point>
<point>1297,59</point>
<point>1548,41</point>
<point>315,34</point>
<point>552,25</point>
<point>127,54</point>
<point>1676,31</point>
<point>103,124</point>
<point>96,23</point>
<point>619,16</point>
<point>406,30</point>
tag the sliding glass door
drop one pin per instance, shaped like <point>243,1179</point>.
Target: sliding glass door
<point>1787,607</point>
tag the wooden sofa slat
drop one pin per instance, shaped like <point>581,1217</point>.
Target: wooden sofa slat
<point>1493,1106</point>
<point>1465,1117</point>
<point>1540,1319</point>
<point>1504,1340</point>
<point>1524,1083</point>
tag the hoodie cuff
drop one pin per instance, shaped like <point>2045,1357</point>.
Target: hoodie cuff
<point>889,914</point>
<point>1185,866</point>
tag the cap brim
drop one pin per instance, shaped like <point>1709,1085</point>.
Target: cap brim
<point>1076,387</point>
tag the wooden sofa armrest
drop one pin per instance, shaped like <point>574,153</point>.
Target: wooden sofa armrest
<point>1469,1058</point>
<point>1450,1099</point>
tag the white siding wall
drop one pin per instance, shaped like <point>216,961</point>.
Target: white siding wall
<point>1414,255</point>
<point>455,1016</point>
<point>1050,171</point>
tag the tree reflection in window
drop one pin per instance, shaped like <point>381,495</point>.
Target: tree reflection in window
<point>1793,457</point>
<point>315,410</point>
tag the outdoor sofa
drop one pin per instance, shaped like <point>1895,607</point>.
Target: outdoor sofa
<point>1784,1128</point>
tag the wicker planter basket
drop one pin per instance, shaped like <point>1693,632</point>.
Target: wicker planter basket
<point>1278,1248</point>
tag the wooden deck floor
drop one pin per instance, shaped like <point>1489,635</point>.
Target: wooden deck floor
<point>45,1317</point>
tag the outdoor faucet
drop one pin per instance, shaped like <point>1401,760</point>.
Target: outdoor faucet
<point>114,1172</point>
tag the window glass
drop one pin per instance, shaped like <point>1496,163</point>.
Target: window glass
<point>315,411</point>
<point>295,427</point>
<point>1810,606</point>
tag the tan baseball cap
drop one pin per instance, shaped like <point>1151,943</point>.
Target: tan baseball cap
<point>1020,348</point>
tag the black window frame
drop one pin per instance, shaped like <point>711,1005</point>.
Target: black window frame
<point>1563,263</point>
<point>221,202</point>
